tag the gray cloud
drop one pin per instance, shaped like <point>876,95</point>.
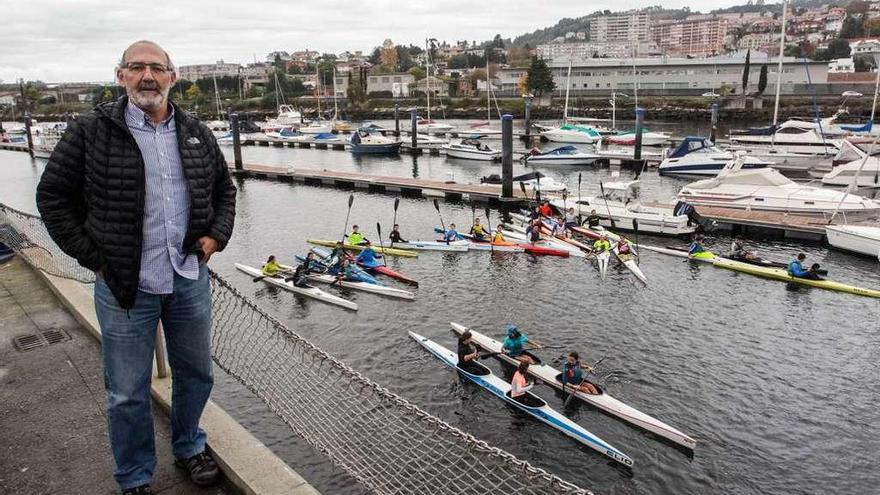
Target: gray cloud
<point>82,40</point>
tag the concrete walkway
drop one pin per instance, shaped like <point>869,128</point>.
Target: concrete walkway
<point>53,429</point>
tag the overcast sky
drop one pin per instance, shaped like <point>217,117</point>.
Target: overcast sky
<point>81,40</point>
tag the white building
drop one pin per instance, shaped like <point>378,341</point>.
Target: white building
<point>867,46</point>
<point>841,65</point>
<point>562,51</point>
<point>628,27</point>
<point>203,71</point>
<point>390,82</point>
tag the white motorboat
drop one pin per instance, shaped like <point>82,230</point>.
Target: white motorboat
<point>648,138</point>
<point>699,156</point>
<point>798,136</point>
<point>572,133</point>
<point>317,127</point>
<point>564,155</point>
<point>427,126</point>
<point>469,149</point>
<point>844,175</point>
<point>765,189</point>
<point>619,201</point>
<point>863,239</point>
<point>364,141</point>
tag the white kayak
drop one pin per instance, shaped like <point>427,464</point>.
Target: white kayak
<point>629,261</point>
<point>517,232</point>
<point>381,290</point>
<point>603,401</point>
<point>433,245</point>
<point>312,292</point>
<point>602,259</point>
<point>534,405</point>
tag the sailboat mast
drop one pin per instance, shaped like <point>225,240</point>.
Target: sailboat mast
<point>318,87</point>
<point>335,105</point>
<point>277,91</point>
<point>428,78</point>
<point>567,86</point>
<point>488,95</point>
<point>779,65</point>
<point>216,97</point>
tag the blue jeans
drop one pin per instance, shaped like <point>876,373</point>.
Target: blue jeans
<point>128,348</point>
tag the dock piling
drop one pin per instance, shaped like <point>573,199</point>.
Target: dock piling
<point>397,120</point>
<point>714,109</point>
<point>413,128</point>
<point>236,138</point>
<point>27,131</point>
<point>507,156</point>
<point>528,117</point>
<point>640,121</point>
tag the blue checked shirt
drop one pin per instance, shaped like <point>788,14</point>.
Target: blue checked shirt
<point>166,204</point>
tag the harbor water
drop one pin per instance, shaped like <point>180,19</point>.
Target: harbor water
<point>778,384</point>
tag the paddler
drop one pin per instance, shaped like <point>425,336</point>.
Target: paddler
<point>601,244</point>
<point>451,235</point>
<point>535,213</point>
<point>520,383</point>
<point>338,253</point>
<point>498,235</point>
<point>571,219</point>
<point>367,256</point>
<point>514,344</point>
<point>696,249</point>
<point>574,376</point>
<point>355,238</point>
<point>560,228</point>
<point>345,271</point>
<point>544,210</point>
<point>738,250</point>
<point>796,268</point>
<point>271,267</point>
<point>533,231</point>
<point>395,235</point>
<point>624,250</point>
<point>592,220</point>
<point>467,353</point>
<point>478,231</point>
<point>301,274</point>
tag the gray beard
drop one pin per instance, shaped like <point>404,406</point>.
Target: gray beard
<point>149,102</point>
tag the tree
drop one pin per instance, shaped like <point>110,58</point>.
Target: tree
<point>193,93</point>
<point>762,79</point>
<point>404,59</point>
<point>746,70</point>
<point>518,57</point>
<point>388,55</point>
<point>522,84</point>
<point>417,72</point>
<point>540,77</point>
<point>853,27</point>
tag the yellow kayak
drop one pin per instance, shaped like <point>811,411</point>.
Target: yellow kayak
<point>389,251</point>
<point>781,274</point>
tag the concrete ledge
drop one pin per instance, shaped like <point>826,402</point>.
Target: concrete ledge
<point>246,462</point>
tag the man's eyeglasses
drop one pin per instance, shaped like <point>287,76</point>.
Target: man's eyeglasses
<point>140,67</point>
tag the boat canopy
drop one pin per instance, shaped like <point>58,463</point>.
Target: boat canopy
<point>689,144</point>
<point>325,135</point>
<point>581,128</point>
<point>288,132</point>
<point>758,177</point>
<point>858,128</point>
<point>562,150</point>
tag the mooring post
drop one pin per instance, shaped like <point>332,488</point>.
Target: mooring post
<point>236,139</point>
<point>27,130</point>
<point>714,109</point>
<point>507,156</point>
<point>528,117</point>
<point>640,120</point>
<point>413,129</point>
<point>397,120</point>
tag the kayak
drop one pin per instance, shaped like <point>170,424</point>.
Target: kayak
<point>629,261</point>
<point>533,405</point>
<point>363,286</point>
<point>359,274</point>
<point>503,246</point>
<point>381,269</point>
<point>534,249</point>
<point>780,274</point>
<point>602,260</point>
<point>552,376</point>
<point>378,249</point>
<point>312,292</point>
<point>518,233</point>
<point>433,245</point>
<point>768,272</point>
<point>752,261</point>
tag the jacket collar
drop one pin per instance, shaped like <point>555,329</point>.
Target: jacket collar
<point>115,111</point>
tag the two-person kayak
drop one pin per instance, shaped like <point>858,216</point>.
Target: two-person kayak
<point>312,292</point>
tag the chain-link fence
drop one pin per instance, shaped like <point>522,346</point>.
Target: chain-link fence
<point>386,443</point>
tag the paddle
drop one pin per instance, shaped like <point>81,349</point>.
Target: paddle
<point>437,207</point>
<point>522,187</point>
<point>580,220</point>
<point>602,188</point>
<point>473,212</point>
<point>394,222</point>
<point>379,231</point>
<point>350,202</point>
<point>589,368</point>
<point>636,231</point>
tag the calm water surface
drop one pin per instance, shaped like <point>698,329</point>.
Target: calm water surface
<point>778,385</point>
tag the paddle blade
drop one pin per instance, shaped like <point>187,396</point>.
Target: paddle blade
<point>635,224</point>
<point>396,203</point>
<point>487,215</point>
<point>579,179</point>
<point>522,186</point>
<point>350,200</point>
<point>379,230</point>
<point>436,205</point>
<point>602,188</point>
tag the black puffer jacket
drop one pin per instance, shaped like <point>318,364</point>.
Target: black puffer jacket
<point>91,194</point>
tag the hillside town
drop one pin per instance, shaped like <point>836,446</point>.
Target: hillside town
<point>655,51</point>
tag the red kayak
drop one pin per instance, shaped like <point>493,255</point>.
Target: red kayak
<point>543,250</point>
<point>388,272</point>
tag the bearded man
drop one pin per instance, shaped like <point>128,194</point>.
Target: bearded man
<point>139,192</point>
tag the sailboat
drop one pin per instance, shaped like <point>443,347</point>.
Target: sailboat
<point>317,126</point>
<point>485,128</point>
<point>568,132</point>
<point>428,126</point>
<point>288,116</point>
<point>219,125</point>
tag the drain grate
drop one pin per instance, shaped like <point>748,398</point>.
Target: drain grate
<point>31,341</point>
